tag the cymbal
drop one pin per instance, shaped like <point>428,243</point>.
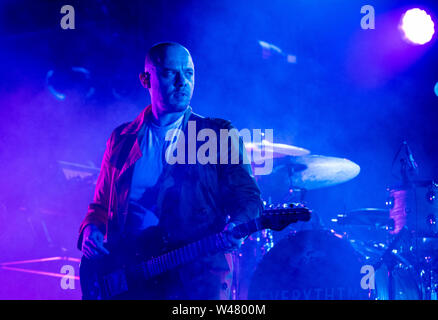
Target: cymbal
<point>277,150</point>
<point>316,171</point>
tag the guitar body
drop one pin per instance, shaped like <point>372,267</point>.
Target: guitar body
<point>100,278</point>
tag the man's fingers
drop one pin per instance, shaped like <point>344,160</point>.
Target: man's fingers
<point>96,246</point>
<point>88,252</point>
<point>85,253</point>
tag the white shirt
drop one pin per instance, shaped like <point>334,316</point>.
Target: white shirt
<point>147,170</point>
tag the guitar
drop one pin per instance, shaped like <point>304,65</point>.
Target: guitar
<point>128,270</point>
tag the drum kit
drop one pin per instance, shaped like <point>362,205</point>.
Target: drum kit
<point>387,253</point>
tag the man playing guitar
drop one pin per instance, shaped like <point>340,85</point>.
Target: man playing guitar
<point>139,190</point>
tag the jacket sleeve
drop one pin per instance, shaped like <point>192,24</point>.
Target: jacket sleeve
<point>97,213</point>
<point>239,190</point>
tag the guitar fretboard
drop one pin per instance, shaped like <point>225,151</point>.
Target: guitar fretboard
<point>183,255</point>
<point>209,245</point>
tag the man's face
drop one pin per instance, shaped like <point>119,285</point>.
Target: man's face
<point>172,79</point>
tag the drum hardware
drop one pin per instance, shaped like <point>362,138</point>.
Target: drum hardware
<point>414,205</point>
<point>426,259</point>
<point>252,251</point>
<point>396,277</point>
<point>292,176</point>
<point>407,267</point>
<point>372,217</point>
<point>429,278</point>
<point>390,260</point>
<point>294,173</point>
<point>400,241</point>
<point>366,228</point>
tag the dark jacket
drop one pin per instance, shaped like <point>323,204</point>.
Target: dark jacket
<point>193,200</point>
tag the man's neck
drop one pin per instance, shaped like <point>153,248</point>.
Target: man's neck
<point>163,119</point>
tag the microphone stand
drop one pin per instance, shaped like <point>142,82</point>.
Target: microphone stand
<point>407,168</point>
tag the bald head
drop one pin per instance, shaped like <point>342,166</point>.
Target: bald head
<point>169,76</point>
<point>160,52</point>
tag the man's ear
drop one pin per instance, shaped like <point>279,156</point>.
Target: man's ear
<point>145,79</point>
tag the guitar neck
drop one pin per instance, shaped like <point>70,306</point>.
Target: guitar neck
<point>190,252</point>
<point>209,245</point>
<point>182,255</point>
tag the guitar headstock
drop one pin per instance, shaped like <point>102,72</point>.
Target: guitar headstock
<point>279,217</point>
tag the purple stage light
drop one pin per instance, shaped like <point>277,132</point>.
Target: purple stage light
<point>417,26</point>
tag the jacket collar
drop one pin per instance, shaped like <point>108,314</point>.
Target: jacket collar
<point>127,153</point>
<point>135,126</point>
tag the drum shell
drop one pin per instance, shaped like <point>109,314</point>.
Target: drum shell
<point>405,283</point>
<point>415,207</point>
<point>310,264</point>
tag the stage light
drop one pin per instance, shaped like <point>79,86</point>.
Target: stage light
<point>270,50</point>
<point>436,89</point>
<point>417,26</point>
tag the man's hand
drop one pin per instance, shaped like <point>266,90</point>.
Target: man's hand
<point>231,242</point>
<point>92,242</point>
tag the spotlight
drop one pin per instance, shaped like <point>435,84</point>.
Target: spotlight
<point>417,26</point>
<point>436,89</point>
